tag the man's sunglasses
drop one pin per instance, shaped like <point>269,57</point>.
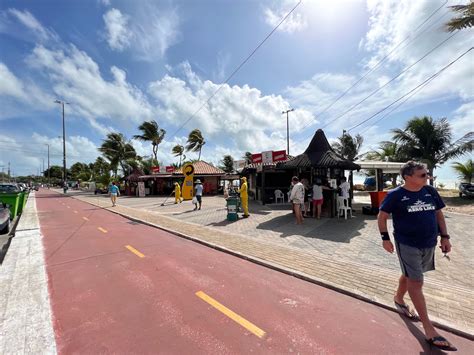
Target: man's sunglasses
<point>423,176</point>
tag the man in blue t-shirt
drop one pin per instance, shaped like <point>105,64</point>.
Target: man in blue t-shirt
<point>417,220</point>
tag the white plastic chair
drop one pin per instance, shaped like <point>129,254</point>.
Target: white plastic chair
<point>279,196</point>
<point>343,206</point>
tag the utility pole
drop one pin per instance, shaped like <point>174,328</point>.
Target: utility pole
<point>49,172</point>
<point>62,103</point>
<point>9,179</point>
<point>287,130</point>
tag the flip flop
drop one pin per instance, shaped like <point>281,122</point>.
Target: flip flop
<point>406,310</point>
<point>439,339</point>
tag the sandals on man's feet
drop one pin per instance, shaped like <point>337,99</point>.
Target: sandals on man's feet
<point>406,310</point>
<point>441,343</point>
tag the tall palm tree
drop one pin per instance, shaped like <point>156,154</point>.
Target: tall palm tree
<point>227,164</point>
<point>347,146</point>
<point>465,171</point>
<point>117,150</point>
<point>465,20</point>
<point>195,142</point>
<point>178,150</point>
<point>151,132</point>
<point>429,141</point>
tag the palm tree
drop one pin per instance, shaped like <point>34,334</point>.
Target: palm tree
<point>348,147</point>
<point>178,150</point>
<point>465,20</point>
<point>117,151</point>
<point>227,164</point>
<point>247,157</point>
<point>429,141</point>
<point>195,142</point>
<point>465,171</point>
<point>151,132</point>
<point>388,151</point>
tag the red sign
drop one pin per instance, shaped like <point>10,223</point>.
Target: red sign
<point>169,169</point>
<point>279,155</point>
<point>256,158</point>
<point>155,169</point>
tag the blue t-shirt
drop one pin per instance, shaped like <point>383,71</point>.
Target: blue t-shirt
<point>198,190</point>
<point>113,189</point>
<point>414,215</point>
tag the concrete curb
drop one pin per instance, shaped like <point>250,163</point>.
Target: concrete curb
<point>280,268</point>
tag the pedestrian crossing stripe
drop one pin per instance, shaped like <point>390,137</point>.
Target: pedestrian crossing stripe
<point>135,251</point>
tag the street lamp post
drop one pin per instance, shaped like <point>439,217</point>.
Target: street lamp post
<point>62,103</point>
<point>287,130</point>
<point>49,171</point>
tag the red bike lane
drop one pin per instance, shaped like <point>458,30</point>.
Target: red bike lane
<point>118,286</point>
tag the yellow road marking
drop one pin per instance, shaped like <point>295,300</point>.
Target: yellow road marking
<point>76,212</point>
<point>134,251</point>
<point>232,315</point>
<point>85,218</point>
<point>102,229</point>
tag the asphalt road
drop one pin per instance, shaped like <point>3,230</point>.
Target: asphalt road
<point>117,286</point>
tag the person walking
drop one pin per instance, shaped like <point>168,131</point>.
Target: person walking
<point>244,197</point>
<point>318,198</point>
<point>417,220</point>
<point>198,194</point>
<point>297,198</point>
<point>114,191</point>
<point>177,193</point>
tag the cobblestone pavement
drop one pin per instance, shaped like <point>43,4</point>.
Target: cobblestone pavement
<point>343,254</point>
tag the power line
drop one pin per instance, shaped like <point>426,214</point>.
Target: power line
<point>237,69</point>
<point>393,79</point>
<point>377,65</point>
<point>414,89</point>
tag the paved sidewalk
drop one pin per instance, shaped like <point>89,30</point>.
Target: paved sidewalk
<point>341,254</point>
<point>25,314</point>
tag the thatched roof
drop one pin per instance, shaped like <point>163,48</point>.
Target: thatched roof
<point>319,154</point>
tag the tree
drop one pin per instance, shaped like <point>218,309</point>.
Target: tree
<point>227,164</point>
<point>178,150</point>
<point>429,141</point>
<point>347,146</point>
<point>465,171</point>
<point>247,157</point>
<point>54,171</point>
<point>117,151</point>
<point>151,132</point>
<point>100,167</point>
<point>465,20</point>
<point>195,142</point>
<point>80,171</point>
<point>388,151</point>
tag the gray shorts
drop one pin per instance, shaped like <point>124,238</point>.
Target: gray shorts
<point>415,261</point>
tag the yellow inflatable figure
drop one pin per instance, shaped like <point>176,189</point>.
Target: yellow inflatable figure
<point>177,193</point>
<point>244,197</point>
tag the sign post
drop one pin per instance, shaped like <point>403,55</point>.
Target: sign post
<point>188,184</point>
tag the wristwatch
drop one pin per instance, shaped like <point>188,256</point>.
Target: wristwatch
<point>385,235</point>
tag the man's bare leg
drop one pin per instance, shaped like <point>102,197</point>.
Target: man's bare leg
<point>402,290</point>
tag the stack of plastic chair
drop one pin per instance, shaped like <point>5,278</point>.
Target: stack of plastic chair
<point>343,207</point>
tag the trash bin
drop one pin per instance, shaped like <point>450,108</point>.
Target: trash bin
<point>13,200</point>
<point>22,201</point>
<point>232,208</point>
<point>376,198</point>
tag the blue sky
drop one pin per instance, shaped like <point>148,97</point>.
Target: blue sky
<point>120,63</point>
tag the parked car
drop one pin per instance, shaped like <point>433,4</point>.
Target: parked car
<point>9,187</point>
<point>466,189</point>
<point>4,219</point>
<point>103,190</point>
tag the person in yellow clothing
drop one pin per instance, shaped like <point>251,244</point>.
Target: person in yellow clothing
<point>244,197</point>
<point>177,193</point>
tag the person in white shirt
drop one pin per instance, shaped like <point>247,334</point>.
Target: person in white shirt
<point>345,187</point>
<point>318,198</point>
<point>297,198</point>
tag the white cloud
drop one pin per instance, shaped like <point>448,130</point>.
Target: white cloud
<point>77,79</point>
<point>117,33</point>
<point>239,117</point>
<point>389,24</point>
<point>147,31</point>
<point>14,22</point>
<point>294,23</point>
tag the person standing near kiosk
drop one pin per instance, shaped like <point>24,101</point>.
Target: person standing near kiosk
<point>177,193</point>
<point>244,197</point>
